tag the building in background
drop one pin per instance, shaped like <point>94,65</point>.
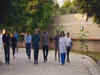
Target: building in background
<point>72,23</point>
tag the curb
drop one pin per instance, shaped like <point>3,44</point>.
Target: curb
<point>90,64</point>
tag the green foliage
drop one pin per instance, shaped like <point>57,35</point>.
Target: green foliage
<point>67,4</point>
<point>90,7</point>
<point>68,8</point>
<point>25,15</point>
<point>83,40</point>
<point>46,13</point>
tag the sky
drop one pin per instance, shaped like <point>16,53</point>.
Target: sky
<point>60,2</point>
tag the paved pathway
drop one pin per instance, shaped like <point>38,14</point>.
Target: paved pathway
<point>22,66</point>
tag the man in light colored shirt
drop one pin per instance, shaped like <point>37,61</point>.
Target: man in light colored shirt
<point>68,46</point>
<point>28,41</point>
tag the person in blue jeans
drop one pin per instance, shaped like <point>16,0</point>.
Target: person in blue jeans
<point>62,47</point>
<point>35,44</point>
<point>28,40</point>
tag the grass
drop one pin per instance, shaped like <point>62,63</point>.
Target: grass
<point>93,55</point>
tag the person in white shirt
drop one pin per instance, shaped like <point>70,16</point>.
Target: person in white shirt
<point>62,47</point>
<point>1,43</point>
<point>68,46</point>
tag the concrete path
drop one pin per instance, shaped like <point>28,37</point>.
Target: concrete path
<point>22,66</point>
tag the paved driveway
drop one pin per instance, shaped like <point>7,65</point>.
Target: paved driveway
<point>22,66</point>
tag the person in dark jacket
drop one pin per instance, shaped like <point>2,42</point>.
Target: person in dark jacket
<point>45,42</point>
<point>35,44</point>
<point>56,38</point>
<point>6,43</point>
<point>13,45</point>
<point>16,35</point>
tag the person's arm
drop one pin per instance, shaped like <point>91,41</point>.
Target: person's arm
<point>71,44</point>
<point>3,39</point>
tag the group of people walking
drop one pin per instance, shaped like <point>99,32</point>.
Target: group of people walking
<point>63,45</point>
<point>6,41</point>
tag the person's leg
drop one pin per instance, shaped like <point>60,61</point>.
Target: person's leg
<point>55,54</point>
<point>36,51</point>
<point>13,50</point>
<point>44,53</point>
<point>59,56</point>
<point>8,54</point>
<point>17,46</point>
<point>68,50</point>
<point>62,58</point>
<point>5,52</point>
<point>29,51</point>
<point>46,57</point>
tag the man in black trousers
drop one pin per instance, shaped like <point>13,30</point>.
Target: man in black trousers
<point>6,43</point>
<point>45,45</point>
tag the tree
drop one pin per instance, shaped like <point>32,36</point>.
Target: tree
<point>4,4</point>
<point>89,7</point>
<point>25,15</point>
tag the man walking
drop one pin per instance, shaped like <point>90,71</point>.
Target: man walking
<point>69,46</point>
<point>57,46</point>
<point>13,45</point>
<point>16,36</point>
<point>28,41</point>
<point>45,41</point>
<point>6,43</point>
<point>35,44</point>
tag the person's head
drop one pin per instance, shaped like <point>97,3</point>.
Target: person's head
<point>27,33</point>
<point>36,31</point>
<point>62,34</point>
<point>6,32</point>
<point>12,35</point>
<point>44,32</point>
<point>68,34</point>
<point>57,32</point>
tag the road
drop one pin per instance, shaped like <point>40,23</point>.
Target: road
<point>22,66</point>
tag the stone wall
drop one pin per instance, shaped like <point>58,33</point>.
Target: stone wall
<point>93,45</point>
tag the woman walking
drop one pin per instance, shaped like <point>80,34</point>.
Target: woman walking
<point>57,46</point>
<point>13,45</point>
<point>62,47</point>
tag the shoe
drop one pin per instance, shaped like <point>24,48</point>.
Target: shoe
<point>35,62</point>
<point>29,57</point>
